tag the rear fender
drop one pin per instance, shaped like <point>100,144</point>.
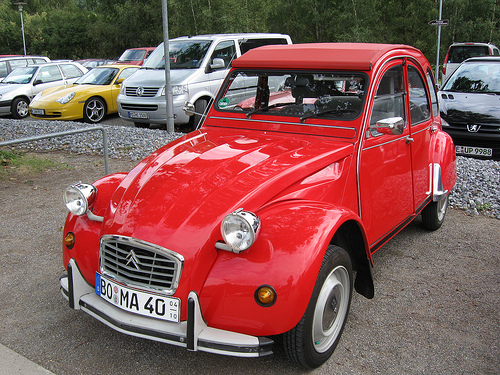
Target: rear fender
<point>444,159</point>
<point>287,256</point>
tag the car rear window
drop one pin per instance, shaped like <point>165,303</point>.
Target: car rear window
<point>460,53</point>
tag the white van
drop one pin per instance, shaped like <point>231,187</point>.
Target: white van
<point>198,66</point>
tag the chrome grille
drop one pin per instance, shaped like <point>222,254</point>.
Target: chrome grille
<point>139,263</point>
<point>145,92</point>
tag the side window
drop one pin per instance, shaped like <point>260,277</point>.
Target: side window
<point>127,73</point>
<point>248,44</point>
<point>3,69</point>
<point>39,61</point>
<point>49,74</point>
<point>18,63</point>
<point>419,102</point>
<point>389,100</point>
<point>71,71</point>
<point>496,52</point>
<point>226,51</point>
<point>432,90</point>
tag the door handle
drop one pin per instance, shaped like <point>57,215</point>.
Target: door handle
<point>409,140</point>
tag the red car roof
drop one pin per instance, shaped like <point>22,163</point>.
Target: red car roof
<point>317,56</point>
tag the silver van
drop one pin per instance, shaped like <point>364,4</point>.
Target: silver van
<point>198,66</point>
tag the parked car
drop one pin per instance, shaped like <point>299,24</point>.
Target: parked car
<point>135,56</point>
<point>22,84</point>
<point>9,62</point>
<point>459,52</point>
<point>198,67</point>
<point>470,107</point>
<point>263,221</point>
<point>92,63</point>
<point>91,97</point>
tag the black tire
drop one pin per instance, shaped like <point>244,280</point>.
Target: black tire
<point>312,341</point>
<point>19,108</point>
<point>199,107</point>
<point>434,213</point>
<point>94,110</point>
<point>141,124</point>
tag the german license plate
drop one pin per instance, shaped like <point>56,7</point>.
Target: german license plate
<point>138,301</point>
<point>142,115</point>
<point>36,111</point>
<point>476,151</point>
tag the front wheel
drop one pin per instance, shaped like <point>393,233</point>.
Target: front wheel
<point>94,110</point>
<point>433,214</point>
<point>312,341</point>
<point>19,108</point>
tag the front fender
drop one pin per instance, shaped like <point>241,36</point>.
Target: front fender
<point>87,232</point>
<point>287,256</point>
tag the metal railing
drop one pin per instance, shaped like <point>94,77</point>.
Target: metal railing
<point>62,134</point>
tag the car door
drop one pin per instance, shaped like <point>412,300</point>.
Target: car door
<point>47,76</point>
<point>421,128</point>
<point>384,161</point>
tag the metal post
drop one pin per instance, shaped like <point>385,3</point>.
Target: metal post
<point>168,86</point>
<point>439,39</point>
<point>20,7</point>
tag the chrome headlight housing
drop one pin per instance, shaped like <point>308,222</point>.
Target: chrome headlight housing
<point>240,230</point>
<point>79,197</point>
<point>66,98</point>
<point>176,90</point>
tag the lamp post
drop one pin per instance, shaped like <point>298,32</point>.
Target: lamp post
<point>20,7</point>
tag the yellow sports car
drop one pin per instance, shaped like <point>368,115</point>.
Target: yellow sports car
<point>91,97</point>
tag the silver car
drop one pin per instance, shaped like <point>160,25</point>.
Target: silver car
<point>19,87</point>
<point>198,66</point>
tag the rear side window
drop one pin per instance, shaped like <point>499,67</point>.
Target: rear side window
<point>17,63</point>
<point>460,53</point>
<point>419,102</point>
<point>70,71</point>
<point>3,69</point>
<point>248,44</point>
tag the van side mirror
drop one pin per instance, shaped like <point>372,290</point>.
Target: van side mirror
<point>217,64</point>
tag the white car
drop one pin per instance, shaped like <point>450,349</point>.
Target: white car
<point>19,87</point>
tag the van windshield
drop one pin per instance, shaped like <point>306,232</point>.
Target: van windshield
<point>185,54</point>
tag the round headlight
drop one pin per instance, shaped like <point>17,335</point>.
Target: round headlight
<point>240,229</point>
<point>78,197</point>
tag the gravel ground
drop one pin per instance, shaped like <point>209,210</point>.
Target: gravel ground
<point>477,190</point>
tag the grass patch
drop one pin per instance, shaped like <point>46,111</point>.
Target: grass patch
<point>19,163</point>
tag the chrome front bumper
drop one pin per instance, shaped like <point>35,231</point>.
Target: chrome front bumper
<point>193,334</point>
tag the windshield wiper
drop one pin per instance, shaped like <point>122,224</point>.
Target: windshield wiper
<point>324,112</point>
<point>275,105</point>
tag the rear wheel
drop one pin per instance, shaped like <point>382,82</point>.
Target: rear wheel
<point>312,341</point>
<point>433,214</point>
<point>19,108</point>
<point>94,110</point>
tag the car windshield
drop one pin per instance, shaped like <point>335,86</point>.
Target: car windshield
<point>132,55</point>
<point>186,54</point>
<point>338,96</point>
<point>20,75</point>
<point>98,76</point>
<point>475,77</point>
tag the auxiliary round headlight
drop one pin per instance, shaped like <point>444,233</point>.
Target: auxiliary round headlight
<point>78,197</point>
<point>240,229</point>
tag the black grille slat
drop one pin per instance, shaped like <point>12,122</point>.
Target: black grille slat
<point>135,262</point>
<point>147,92</point>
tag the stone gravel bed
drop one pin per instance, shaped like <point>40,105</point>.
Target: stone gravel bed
<point>477,190</point>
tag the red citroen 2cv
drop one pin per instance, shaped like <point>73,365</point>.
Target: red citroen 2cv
<point>264,220</point>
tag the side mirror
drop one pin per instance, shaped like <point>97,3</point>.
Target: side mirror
<point>189,108</point>
<point>217,64</point>
<point>37,82</point>
<point>119,81</point>
<point>391,126</point>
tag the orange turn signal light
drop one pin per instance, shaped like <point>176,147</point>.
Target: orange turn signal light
<point>265,295</point>
<point>69,240</point>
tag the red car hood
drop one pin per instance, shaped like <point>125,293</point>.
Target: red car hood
<point>178,196</point>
